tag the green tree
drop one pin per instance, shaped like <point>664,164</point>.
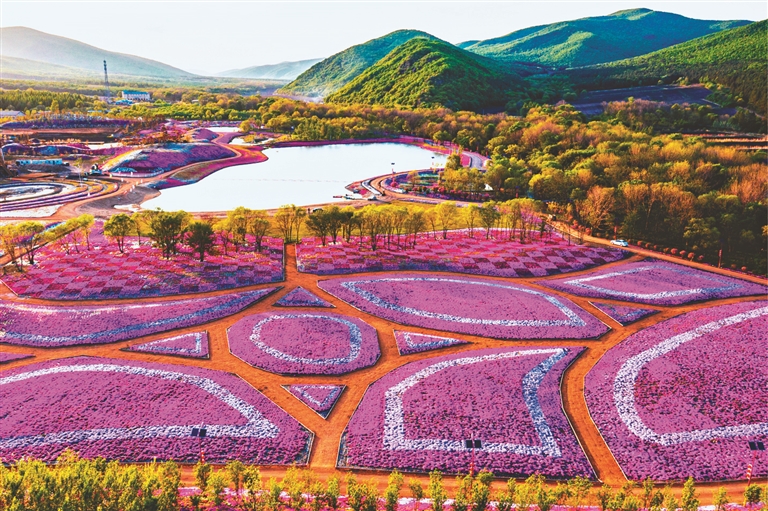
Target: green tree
<point>392,493</point>
<point>688,498</point>
<point>167,229</point>
<point>118,227</point>
<point>202,472</point>
<point>721,499</point>
<point>436,490</point>
<point>200,237</point>
<point>236,471</point>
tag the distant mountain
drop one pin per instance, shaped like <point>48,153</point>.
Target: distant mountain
<point>14,68</point>
<point>735,58</point>
<point>588,41</point>
<point>33,45</point>
<point>430,73</point>
<point>337,70</point>
<point>282,71</point>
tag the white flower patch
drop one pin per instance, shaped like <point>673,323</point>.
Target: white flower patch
<point>355,340</point>
<point>573,319</point>
<point>394,417</point>
<point>581,283</point>
<point>257,426</point>
<point>624,388</point>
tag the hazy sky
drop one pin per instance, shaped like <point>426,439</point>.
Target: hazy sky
<point>215,36</point>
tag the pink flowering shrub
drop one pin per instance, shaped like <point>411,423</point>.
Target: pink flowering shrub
<point>52,326</point>
<point>683,397</point>
<point>474,306</point>
<point>419,416</point>
<point>304,343</point>
<point>655,282</point>
<point>137,412</point>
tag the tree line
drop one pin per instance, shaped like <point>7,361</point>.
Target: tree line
<point>77,484</point>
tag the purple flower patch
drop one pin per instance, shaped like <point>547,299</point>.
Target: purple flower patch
<point>10,357</point>
<point>52,326</point>
<point>623,314</point>
<point>411,342</point>
<point>304,343</point>
<point>474,306</point>
<point>505,401</point>
<point>320,398</point>
<point>137,412</point>
<point>194,345</point>
<point>300,297</point>
<point>683,397</point>
<point>655,282</point>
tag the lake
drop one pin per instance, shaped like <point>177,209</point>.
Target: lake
<point>294,175</point>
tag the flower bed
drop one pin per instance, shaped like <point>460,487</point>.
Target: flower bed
<point>655,282</point>
<point>467,305</point>
<point>418,417</point>
<point>138,412</point>
<point>195,173</point>
<point>194,345</point>
<point>623,314</point>
<point>300,297</point>
<point>104,273</point>
<point>10,357</point>
<point>305,343</point>
<point>55,326</point>
<point>320,398</point>
<point>162,158</point>
<point>683,397</point>
<point>411,342</point>
<point>459,253</point>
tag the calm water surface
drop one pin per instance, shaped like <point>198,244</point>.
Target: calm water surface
<point>294,175</point>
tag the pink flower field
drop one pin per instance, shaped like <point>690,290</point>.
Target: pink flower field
<point>304,343</point>
<point>474,306</point>
<point>459,253</point>
<point>104,273</point>
<point>419,416</point>
<point>162,158</point>
<point>655,282</point>
<point>300,297</point>
<point>138,412</point>
<point>319,398</point>
<point>55,326</point>
<point>194,345</point>
<point>683,397</point>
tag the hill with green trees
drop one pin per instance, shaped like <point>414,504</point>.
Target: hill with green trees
<point>281,71</point>
<point>40,47</point>
<point>594,40</point>
<point>734,58</point>
<point>430,73</point>
<point>338,70</point>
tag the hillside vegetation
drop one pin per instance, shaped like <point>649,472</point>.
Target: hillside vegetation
<point>33,45</point>
<point>429,73</point>
<point>734,58</point>
<point>599,39</point>
<point>281,71</point>
<point>337,70</point>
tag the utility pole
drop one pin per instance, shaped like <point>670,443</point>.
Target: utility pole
<point>107,93</point>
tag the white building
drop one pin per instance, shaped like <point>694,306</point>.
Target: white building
<point>136,95</point>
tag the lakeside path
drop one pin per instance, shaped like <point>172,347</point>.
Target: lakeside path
<point>328,432</point>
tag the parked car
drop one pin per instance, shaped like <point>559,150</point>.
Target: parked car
<point>620,243</point>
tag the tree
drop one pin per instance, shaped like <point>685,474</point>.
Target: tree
<point>167,229</point>
<point>720,499</point>
<point>118,227</point>
<point>10,241</point>
<point>463,498</point>
<point>318,224</point>
<point>202,472</point>
<point>505,498</point>
<point>688,498</point>
<point>470,214</point>
<point>752,494</point>
<point>597,209</point>
<point>481,491</point>
<point>446,213</point>
<point>392,493</point>
<point>489,215</point>
<point>236,470</point>
<point>285,220</point>
<point>258,227</point>
<point>436,490</point>
<point>417,491</point>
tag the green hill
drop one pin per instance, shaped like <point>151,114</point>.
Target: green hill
<point>588,41</point>
<point>33,45</point>
<point>281,71</point>
<point>337,70</point>
<point>736,58</point>
<point>430,73</point>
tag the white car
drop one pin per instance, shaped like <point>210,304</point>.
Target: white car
<point>620,243</point>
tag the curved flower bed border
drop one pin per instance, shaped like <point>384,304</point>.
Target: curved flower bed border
<point>423,301</point>
<point>192,345</point>
<point>380,433</point>
<point>656,283</point>
<point>669,406</point>
<point>301,345</point>
<point>40,423</point>
<point>55,326</point>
